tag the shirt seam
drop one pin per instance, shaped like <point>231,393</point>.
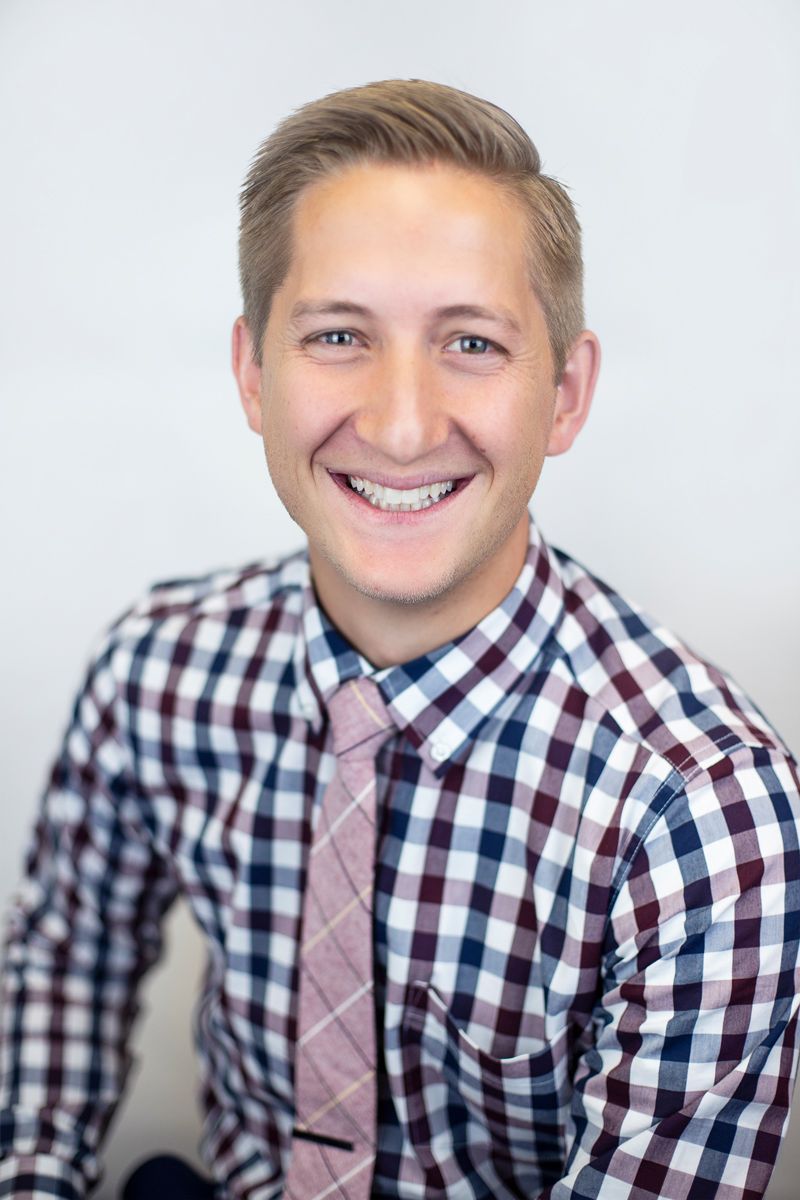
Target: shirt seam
<point>673,786</point>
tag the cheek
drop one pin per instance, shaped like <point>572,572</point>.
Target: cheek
<point>300,408</point>
<point>287,419</point>
<point>521,457</point>
<point>515,436</point>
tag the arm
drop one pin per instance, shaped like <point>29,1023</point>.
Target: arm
<point>686,1088</point>
<point>82,931</point>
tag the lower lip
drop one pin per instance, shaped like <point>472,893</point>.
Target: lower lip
<point>399,518</point>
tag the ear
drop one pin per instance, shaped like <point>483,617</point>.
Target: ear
<point>575,391</point>
<point>247,372</point>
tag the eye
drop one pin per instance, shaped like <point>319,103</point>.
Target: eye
<point>335,346</point>
<point>336,337</point>
<point>471,344</point>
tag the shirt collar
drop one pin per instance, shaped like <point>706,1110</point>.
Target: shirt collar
<point>441,699</point>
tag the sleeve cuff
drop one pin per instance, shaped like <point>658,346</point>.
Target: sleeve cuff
<point>40,1177</point>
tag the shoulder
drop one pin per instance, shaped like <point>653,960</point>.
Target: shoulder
<point>255,587</point>
<point>233,615</point>
<point>641,679</point>
<point>251,592</point>
<point>709,791</point>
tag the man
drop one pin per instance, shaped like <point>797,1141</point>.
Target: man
<point>499,882</point>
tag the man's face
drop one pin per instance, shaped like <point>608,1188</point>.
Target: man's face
<point>406,394</point>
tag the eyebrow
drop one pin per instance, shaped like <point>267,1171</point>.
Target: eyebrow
<point>331,308</point>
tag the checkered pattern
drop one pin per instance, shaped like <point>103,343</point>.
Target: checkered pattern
<point>586,909</point>
<point>335,1056</point>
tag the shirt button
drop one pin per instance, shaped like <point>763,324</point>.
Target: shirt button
<point>440,751</point>
<point>307,708</point>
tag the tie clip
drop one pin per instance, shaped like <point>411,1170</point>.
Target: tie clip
<point>322,1140</point>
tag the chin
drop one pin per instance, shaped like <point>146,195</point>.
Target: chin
<point>405,592</point>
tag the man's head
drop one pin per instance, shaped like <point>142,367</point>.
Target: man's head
<point>408,122</point>
<point>400,364</point>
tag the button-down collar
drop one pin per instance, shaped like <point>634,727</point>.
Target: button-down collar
<point>441,699</point>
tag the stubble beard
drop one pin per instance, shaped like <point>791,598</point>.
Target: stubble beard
<point>457,578</point>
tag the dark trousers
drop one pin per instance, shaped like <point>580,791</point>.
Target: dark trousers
<point>166,1178</point>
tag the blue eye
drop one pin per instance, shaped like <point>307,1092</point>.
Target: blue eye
<point>470,344</point>
<point>337,337</point>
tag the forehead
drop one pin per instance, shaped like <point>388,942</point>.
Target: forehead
<point>406,226</point>
<point>456,187</point>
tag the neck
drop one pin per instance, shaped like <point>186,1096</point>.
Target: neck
<point>387,631</point>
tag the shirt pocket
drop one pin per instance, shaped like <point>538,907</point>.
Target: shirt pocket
<point>464,1103</point>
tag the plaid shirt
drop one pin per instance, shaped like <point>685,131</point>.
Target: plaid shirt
<point>586,902</point>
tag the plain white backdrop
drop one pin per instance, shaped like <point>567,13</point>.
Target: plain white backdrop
<point>126,130</point>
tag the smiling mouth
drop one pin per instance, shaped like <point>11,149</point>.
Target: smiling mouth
<point>390,499</point>
<point>399,500</point>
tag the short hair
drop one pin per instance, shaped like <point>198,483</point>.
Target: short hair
<point>407,122</point>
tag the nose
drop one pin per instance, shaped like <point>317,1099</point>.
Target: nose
<point>403,416</point>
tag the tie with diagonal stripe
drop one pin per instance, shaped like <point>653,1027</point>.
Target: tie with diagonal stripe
<point>333,1149</point>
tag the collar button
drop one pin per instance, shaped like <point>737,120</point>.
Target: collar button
<point>440,751</point>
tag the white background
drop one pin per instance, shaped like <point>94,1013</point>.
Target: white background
<point>125,132</point>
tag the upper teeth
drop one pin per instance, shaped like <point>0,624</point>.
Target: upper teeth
<point>400,499</point>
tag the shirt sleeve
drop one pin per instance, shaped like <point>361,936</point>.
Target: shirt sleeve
<point>83,928</point>
<point>684,1091</point>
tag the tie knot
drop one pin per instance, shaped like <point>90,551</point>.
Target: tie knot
<point>360,720</point>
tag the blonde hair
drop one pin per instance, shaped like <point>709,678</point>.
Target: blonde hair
<point>409,122</point>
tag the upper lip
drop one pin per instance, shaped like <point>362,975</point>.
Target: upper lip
<point>403,485</point>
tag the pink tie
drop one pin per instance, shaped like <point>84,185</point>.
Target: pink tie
<point>333,1150</point>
